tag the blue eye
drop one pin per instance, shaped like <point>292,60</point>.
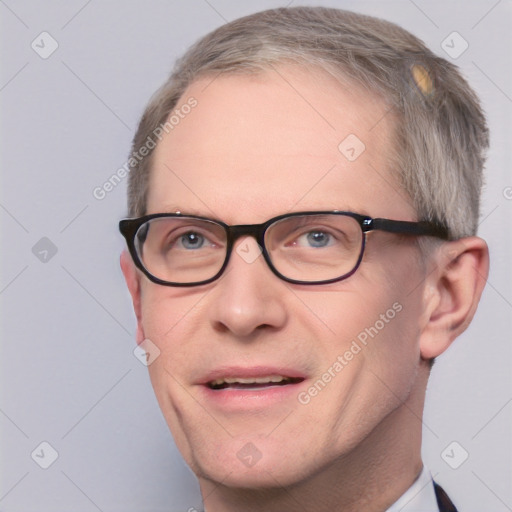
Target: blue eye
<point>191,240</point>
<point>315,239</point>
<point>318,238</point>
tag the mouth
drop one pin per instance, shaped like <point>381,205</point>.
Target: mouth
<point>241,389</point>
<point>254,383</point>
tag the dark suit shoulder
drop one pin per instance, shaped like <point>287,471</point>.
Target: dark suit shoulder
<point>443,502</point>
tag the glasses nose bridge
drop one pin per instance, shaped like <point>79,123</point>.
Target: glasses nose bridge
<point>255,230</point>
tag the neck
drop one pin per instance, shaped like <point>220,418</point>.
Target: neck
<point>371,477</point>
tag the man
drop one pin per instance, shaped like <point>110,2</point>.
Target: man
<point>304,200</point>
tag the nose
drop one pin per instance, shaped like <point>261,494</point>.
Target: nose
<point>248,297</point>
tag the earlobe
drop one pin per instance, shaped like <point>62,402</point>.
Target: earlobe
<point>452,292</point>
<point>133,282</point>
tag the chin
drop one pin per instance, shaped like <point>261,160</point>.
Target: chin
<point>252,463</point>
<point>262,476</point>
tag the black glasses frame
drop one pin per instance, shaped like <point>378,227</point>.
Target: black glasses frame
<point>129,228</point>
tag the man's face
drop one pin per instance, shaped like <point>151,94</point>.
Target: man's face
<point>254,148</point>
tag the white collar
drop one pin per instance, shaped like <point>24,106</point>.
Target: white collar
<point>420,497</point>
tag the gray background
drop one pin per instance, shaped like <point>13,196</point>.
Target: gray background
<point>68,373</point>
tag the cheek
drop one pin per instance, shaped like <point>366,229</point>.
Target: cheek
<point>171,319</point>
<point>395,353</point>
<point>165,311</point>
<point>376,314</point>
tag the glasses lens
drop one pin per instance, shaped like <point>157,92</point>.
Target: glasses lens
<point>314,247</point>
<point>181,249</point>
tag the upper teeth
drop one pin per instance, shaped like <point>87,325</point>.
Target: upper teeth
<point>251,380</point>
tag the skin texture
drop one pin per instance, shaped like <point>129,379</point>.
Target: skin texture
<point>256,147</point>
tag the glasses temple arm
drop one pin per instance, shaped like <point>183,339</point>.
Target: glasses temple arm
<point>424,228</point>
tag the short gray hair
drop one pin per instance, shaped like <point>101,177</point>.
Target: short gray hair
<point>441,133</point>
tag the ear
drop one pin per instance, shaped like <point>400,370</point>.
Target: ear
<point>452,292</point>
<point>132,279</point>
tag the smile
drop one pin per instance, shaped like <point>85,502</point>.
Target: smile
<point>253,382</point>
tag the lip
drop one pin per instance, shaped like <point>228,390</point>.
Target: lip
<point>251,399</point>
<point>250,372</point>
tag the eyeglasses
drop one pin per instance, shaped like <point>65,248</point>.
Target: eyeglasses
<point>302,248</point>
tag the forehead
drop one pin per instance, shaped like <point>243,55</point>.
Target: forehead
<point>285,139</point>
